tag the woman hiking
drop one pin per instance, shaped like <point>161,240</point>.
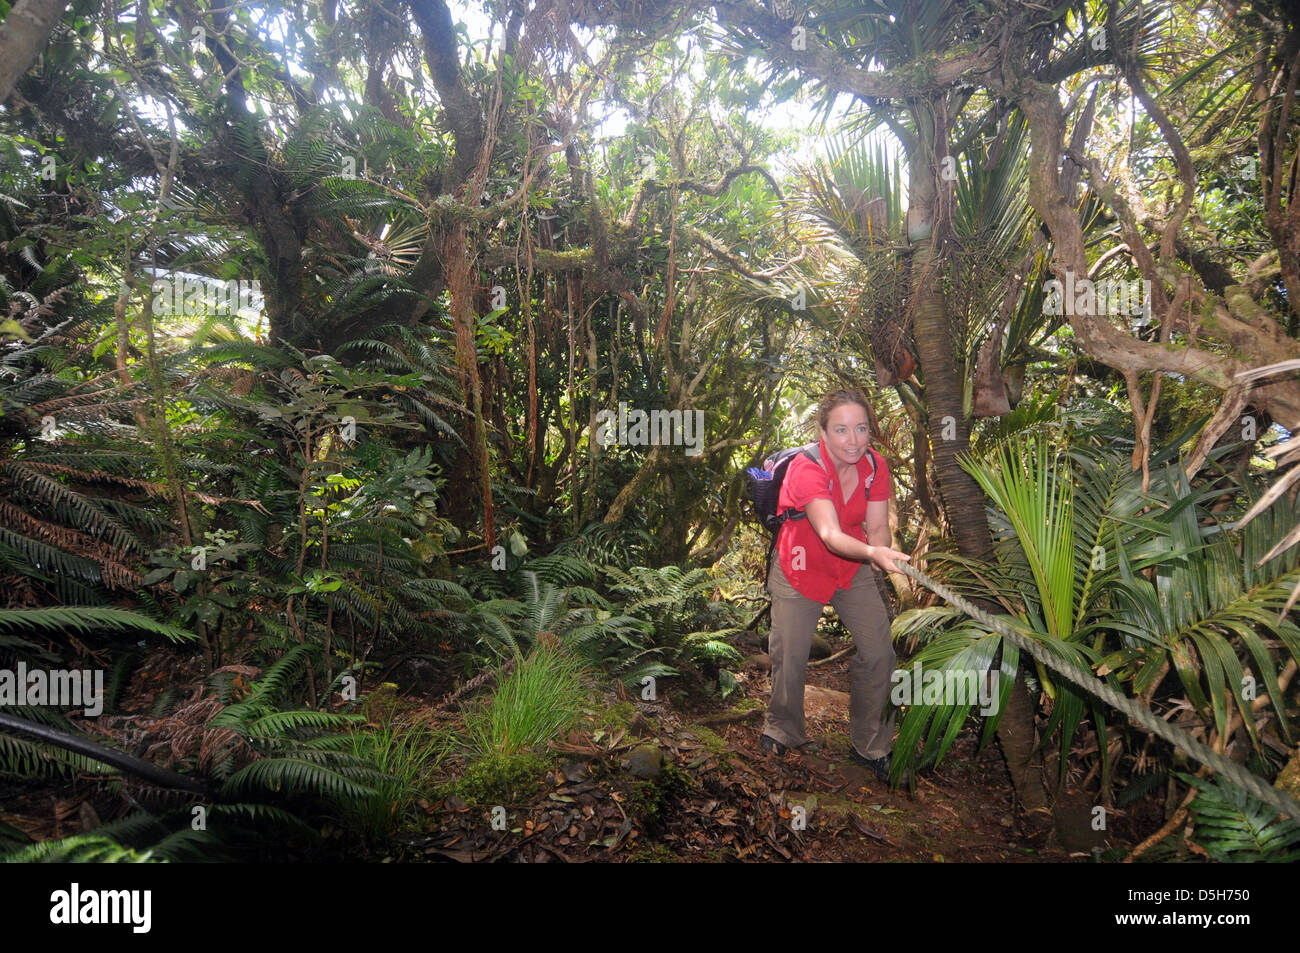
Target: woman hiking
<point>824,553</point>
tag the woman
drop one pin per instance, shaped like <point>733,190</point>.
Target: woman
<point>825,553</point>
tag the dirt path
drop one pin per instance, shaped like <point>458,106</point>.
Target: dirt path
<point>716,798</point>
<point>962,812</point>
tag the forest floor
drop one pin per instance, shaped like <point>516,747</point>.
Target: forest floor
<point>677,779</point>
<point>652,781</point>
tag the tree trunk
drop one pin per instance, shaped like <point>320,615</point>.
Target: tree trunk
<point>460,274</point>
<point>960,495</point>
<point>23,35</point>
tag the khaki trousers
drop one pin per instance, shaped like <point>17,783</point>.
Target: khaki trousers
<point>794,621</point>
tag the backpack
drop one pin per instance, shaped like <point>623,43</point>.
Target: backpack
<point>765,487</point>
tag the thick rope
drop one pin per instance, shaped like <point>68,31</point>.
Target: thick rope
<point>111,756</point>
<point>1137,713</point>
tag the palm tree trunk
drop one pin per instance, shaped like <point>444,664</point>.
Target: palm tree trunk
<point>959,494</point>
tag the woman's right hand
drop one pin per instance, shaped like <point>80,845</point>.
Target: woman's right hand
<point>884,557</point>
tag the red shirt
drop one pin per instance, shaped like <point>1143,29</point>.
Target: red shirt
<point>822,572</point>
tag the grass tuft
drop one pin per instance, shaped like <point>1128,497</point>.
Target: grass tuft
<point>535,703</point>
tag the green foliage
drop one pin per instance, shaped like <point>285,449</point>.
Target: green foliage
<point>334,523</point>
<point>301,752</point>
<point>86,619</point>
<point>579,617</point>
<point>663,274</point>
<point>532,704</point>
<point>1235,827</point>
<point>1036,497</point>
<point>81,849</point>
<point>230,832</point>
<point>407,753</point>
<point>280,769</point>
<point>1036,413</point>
<point>606,544</point>
<point>690,630</point>
<point>23,757</point>
<point>72,481</point>
<point>1114,579</point>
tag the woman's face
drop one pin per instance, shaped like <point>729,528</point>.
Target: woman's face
<point>847,433</point>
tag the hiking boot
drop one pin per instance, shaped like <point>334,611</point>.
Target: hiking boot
<point>769,745</point>
<point>877,766</point>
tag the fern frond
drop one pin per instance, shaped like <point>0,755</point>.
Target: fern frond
<point>86,619</point>
<point>1234,826</point>
<point>80,849</point>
